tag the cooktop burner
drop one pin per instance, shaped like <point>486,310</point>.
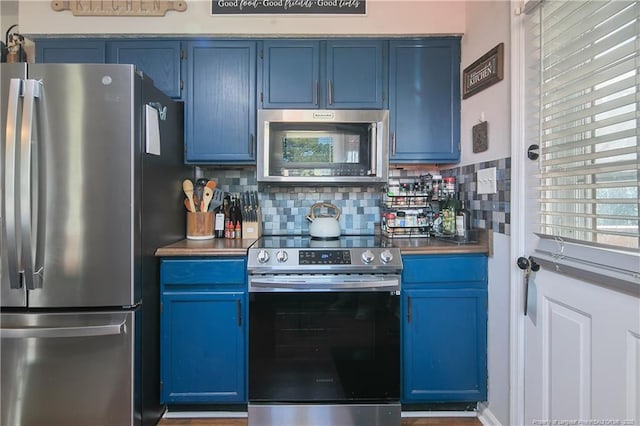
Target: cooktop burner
<point>298,254</point>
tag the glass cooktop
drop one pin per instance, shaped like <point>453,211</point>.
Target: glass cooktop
<point>304,241</point>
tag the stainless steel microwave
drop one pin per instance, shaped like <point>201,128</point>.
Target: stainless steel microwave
<point>323,146</point>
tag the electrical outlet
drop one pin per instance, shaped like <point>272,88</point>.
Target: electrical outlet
<point>487,181</point>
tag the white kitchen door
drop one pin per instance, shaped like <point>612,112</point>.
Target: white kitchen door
<point>575,344</point>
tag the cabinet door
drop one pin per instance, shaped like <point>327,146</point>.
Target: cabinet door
<point>424,100</point>
<point>355,71</point>
<point>71,51</point>
<point>221,104</point>
<point>203,347</point>
<point>159,59</point>
<point>444,344</point>
<point>291,74</point>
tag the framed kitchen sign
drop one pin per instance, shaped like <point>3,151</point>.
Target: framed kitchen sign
<point>484,72</point>
<point>119,7</point>
<point>288,7</point>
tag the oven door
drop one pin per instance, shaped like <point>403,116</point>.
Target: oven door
<point>315,343</point>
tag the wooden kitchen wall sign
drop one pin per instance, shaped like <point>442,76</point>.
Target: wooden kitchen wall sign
<point>119,7</point>
<point>484,72</point>
<point>288,7</point>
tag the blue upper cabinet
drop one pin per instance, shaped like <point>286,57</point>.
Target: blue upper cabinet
<point>355,74</point>
<point>221,102</point>
<point>78,51</point>
<point>291,74</point>
<point>310,74</point>
<point>159,59</point>
<point>424,100</point>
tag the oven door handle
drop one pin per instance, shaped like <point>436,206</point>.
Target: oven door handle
<point>302,285</point>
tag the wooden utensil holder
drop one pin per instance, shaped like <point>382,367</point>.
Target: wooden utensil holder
<point>252,230</point>
<point>200,225</point>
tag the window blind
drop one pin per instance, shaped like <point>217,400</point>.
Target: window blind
<point>587,101</point>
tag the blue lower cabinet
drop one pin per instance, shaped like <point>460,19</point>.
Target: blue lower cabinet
<point>203,335</point>
<point>444,330</point>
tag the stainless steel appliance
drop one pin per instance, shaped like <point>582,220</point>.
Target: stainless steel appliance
<point>83,208</point>
<point>323,146</point>
<point>324,332</point>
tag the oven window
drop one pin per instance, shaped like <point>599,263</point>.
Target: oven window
<point>310,347</point>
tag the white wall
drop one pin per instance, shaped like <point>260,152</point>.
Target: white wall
<point>8,16</point>
<point>384,17</point>
<point>488,25</point>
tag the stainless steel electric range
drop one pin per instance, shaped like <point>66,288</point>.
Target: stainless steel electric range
<point>324,332</point>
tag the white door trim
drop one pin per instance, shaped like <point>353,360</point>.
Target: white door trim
<point>517,337</point>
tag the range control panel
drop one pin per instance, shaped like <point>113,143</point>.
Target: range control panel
<point>324,257</point>
<point>323,260</point>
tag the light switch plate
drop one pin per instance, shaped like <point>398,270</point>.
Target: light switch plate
<point>487,181</point>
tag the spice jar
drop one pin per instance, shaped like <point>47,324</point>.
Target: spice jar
<point>391,219</point>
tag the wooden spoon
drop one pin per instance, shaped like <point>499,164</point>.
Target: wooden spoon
<point>211,184</point>
<point>187,187</point>
<point>207,195</point>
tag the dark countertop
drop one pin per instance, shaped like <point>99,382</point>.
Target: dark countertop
<point>212,247</point>
<point>482,243</point>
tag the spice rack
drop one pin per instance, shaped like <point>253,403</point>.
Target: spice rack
<point>407,216</point>
<point>411,209</point>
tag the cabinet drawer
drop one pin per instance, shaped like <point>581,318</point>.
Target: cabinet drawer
<point>444,268</point>
<point>209,271</point>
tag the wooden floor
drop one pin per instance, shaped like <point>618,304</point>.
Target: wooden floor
<point>425,421</point>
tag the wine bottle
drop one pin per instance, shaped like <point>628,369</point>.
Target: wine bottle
<point>218,226</point>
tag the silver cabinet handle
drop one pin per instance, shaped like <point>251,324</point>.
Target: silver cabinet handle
<point>251,146</point>
<point>409,310</point>
<point>330,92</point>
<point>53,332</point>
<point>393,143</point>
<point>315,92</point>
<point>11,181</point>
<point>28,191</point>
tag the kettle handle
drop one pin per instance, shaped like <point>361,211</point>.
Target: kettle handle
<point>312,216</point>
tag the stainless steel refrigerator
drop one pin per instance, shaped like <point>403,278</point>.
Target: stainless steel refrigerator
<point>84,206</point>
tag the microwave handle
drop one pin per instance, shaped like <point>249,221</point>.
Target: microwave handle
<point>374,148</point>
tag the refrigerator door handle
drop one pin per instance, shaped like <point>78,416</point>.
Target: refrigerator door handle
<point>28,190</point>
<point>53,332</point>
<point>11,182</point>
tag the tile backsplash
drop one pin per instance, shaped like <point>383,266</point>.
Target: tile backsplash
<point>284,208</point>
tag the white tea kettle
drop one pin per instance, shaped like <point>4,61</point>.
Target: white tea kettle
<point>324,226</point>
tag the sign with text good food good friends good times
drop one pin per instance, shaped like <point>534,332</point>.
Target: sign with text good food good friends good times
<point>288,7</point>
